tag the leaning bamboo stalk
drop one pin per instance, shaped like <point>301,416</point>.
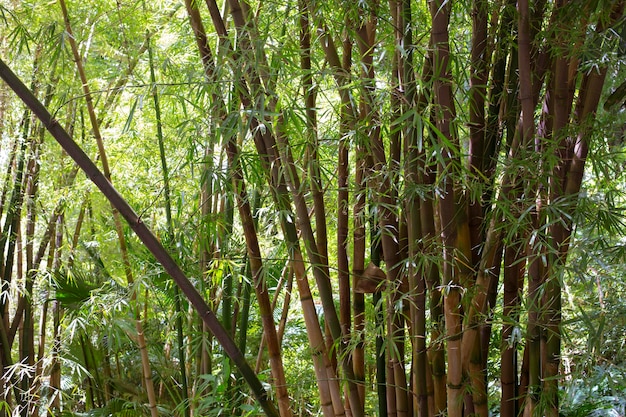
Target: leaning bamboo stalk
<point>329,388</point>
<point>266,143</point>
<point>260,283</point>
<point>142,231</point>
<point>320,270</point>
<point>589,96</point>
<point>245,214</point>
<point>349,114</point>
<point>285,275</point>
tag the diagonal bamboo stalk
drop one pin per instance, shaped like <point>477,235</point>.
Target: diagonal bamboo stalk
<point>245,213</point>
<point>142,231</point>
<point>267,144</point>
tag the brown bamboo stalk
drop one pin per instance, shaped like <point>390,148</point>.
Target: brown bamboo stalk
<point>320,270</point>
<point>444,113</point>
<point>431,246</point>
<point>514,267</point>
<point>500,49</point>
<point>284,276</point>
<point>205,359</point>
<point>329,389</point>
<point>245,214</point>
<point>266,144</point>
<point>535,280</point>
<point>527,121</point>
<point>479,154</point>
<point>260,282</point>
<point>559,109</point>
<point>362,166</point>
<point>414,167</point>
<point>387,217</point>
<point>286,304</point>
<point>57,313</point>
<point>590,96</point>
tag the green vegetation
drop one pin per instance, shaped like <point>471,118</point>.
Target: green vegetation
<point>305,208</point>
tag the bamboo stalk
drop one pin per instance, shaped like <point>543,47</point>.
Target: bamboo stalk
<point>170,229</point>
<point>444,113</point>
<point>141,342</point>
<point>245,214</point>
<point>142,231</point>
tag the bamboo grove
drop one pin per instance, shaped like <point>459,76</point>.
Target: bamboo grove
<point>417,169</point>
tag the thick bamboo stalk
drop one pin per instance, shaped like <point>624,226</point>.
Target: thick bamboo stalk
<point>320,270</point>
<point>444,113</point>
<point>269,327</point>
<point>358,266</point>
<point>249,231</point>
<point>535,280</point>
<point>363,163</point>
<point>329,388</point>
<point>561,234</point>
<point>479,153</point>
<point>514,267</point>
<point>437,362</point>
<point>265,142</point>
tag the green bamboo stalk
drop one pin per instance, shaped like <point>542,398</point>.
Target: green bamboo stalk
<point>141,342</point>
<point>170,229</point>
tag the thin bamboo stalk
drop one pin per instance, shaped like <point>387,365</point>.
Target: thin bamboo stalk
<point>141,342</point>
<point>170,230</point>
<point>57,313</point>
<point>260,283</point>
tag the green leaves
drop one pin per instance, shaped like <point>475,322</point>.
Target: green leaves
<point>73,288</point>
